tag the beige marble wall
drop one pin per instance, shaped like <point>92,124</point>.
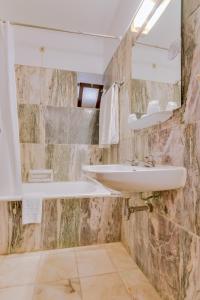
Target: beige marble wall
<point>166,243</point>
<point>46,86</point>
<point>54,133</point>
<point>144,91</point>
<point>65,223</point>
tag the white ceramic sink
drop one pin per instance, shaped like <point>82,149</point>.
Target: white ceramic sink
<point>124,178</point>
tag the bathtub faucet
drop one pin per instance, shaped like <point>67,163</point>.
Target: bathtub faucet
<point>149,161</point>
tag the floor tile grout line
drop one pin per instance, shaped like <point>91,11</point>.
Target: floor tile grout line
<point>31,254</point>
<point>77,268</point>
<point>123,284</point>
<point>105,247</point>
<point>39,283</point>
<point>127,254</point>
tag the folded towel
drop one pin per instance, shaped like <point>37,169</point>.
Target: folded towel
<point>32,208</point>
<point>109,118</point>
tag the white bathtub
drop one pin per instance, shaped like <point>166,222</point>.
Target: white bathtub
<point>52,190</point>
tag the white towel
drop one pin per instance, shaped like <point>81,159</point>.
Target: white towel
<point>32,208</point>
<point>109,118</point>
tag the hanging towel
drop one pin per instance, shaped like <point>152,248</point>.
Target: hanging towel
<point>32,208</point>
<point>109,118</point>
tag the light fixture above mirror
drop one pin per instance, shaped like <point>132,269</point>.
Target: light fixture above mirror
<point>148,13</point>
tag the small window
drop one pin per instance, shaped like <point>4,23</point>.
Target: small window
<point>90,95</point>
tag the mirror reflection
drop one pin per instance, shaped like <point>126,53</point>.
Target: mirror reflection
<point>156,64</point>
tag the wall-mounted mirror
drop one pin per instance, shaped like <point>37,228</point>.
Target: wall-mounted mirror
<point>156,64</point>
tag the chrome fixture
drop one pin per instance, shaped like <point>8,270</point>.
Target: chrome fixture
<point>129,210</point>
<point>149,161</point>
<point>148,206</point>
<point>134,162</point>
<point>105,36</point>
<point>134,209</point>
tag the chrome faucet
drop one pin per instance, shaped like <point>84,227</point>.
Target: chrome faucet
<point>134,162</point>
<point>149,161</point>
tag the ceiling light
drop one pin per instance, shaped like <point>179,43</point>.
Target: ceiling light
<point>159,11</point>
<point>142,14</point>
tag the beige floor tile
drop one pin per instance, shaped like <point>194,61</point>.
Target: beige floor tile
<point>24,254</point>
<point>62,290</point>
<point>93,262</point>
<point>17,293</point>
<point>91,247</point>
<point>120,257</point>
<point>104,287</point>
<point>57,251</point>
<point>138,286</point>
<point>57,267</point>
<point>21,270</point>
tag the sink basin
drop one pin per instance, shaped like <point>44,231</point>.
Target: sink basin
<point>124,178</point>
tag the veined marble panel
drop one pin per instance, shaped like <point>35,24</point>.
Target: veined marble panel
<point>166,244</point>
<point>46,86</point>
<point>166,253</point>
<point>59,88</point>
<point>28,82</point>
<point>190,7</point>
<point>191,67</point>
<point>32,157</point>
<point>71,125</point>
<point>66,160</point>
<point>144,91</point>
<point>65,223</point>
<point>31,123</point>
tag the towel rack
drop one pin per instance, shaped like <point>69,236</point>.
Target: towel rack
<point>120,84</point>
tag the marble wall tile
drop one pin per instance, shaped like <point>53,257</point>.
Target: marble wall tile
<point>65,223</point>
<point>4,230</point>
<point>165,244</point>
<point>189,7</point>
<point>176,259</point>
<point>32,158</point>
<point>164,256</point>
<point>191,66</point>
<point>28,82</point>
<point>189,266</point>
<point>70,222</point>
<point>57,122</point>
<point>66,160</point>
<point>20,238</point>
<point>97,218</point>
<point>166,253</point>
<point>48,116</point>
<point>110,155</point>
<point>31,125</point>
<point>46,86</point>
<point>144,91</point>
<point>71,125</point>
<point>59,87</point>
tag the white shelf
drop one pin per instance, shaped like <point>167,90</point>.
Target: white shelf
<point>150,120</point>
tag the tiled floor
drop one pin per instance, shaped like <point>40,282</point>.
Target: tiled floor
<point>104,272</point>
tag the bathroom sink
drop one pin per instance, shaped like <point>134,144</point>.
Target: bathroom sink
<point>125,178</point>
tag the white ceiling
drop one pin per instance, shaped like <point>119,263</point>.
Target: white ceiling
<point>97,16</point>
<point>75,52</point>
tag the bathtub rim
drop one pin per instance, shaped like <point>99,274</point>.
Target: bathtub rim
<point>101,194</point>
